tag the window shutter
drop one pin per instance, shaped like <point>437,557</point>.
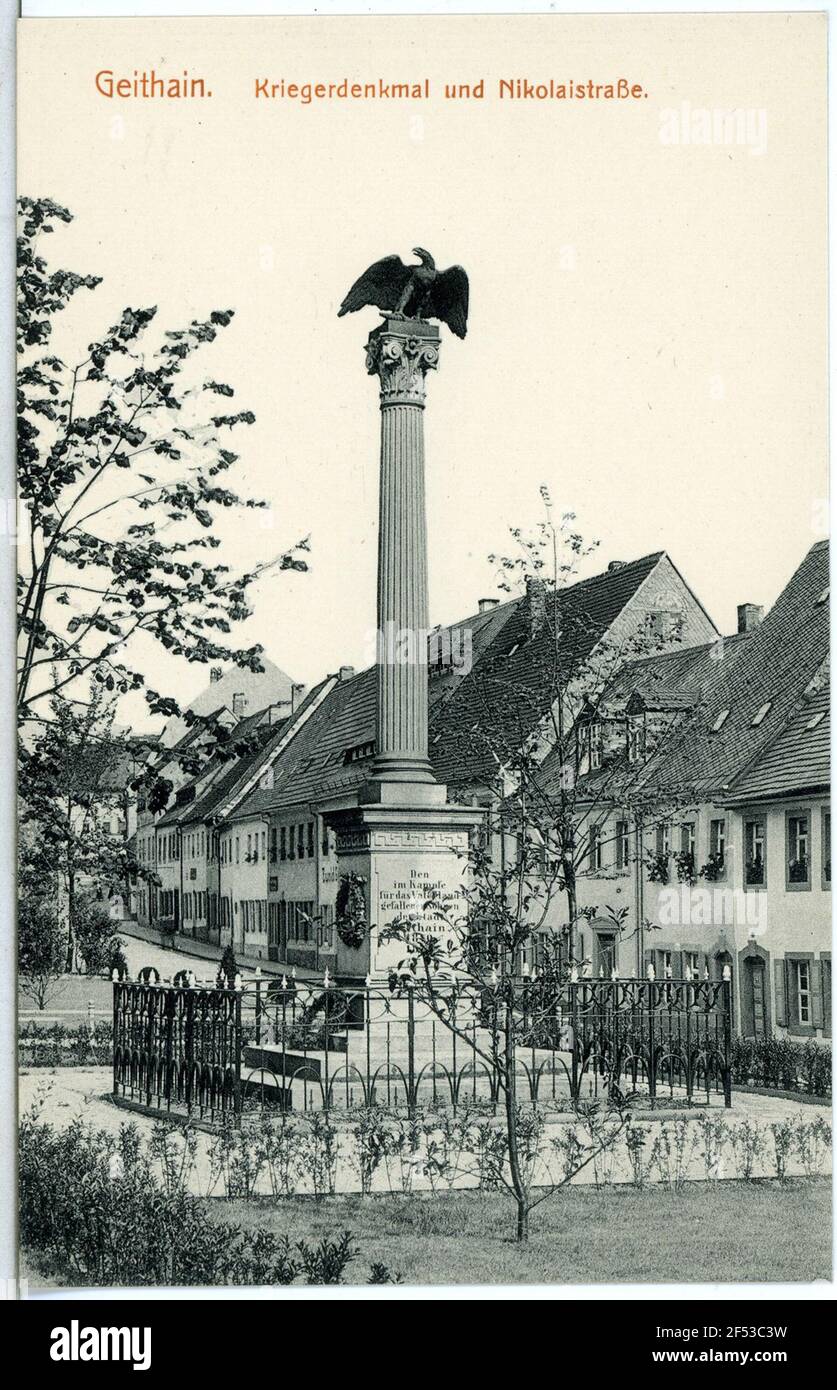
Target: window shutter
<point>816,993</point>
<point>779,969</point>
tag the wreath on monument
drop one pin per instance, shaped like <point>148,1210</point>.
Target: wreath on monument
<point>350,910</point>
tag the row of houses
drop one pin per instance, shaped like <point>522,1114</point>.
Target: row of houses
<point>736,872</point>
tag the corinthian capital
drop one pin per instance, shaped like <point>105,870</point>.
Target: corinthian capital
<point>400,353</point>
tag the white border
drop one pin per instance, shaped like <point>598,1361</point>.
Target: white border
<point>115,9</point>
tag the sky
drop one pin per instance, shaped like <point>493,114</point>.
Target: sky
<point>647,334</point>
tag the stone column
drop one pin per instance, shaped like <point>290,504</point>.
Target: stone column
<point>400,353</point>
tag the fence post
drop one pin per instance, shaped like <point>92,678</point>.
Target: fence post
<point>652,1056</point>
<point>116,1015</point>
<point>576,1077</point>
<point>411,1053</point>
<point>726,1069</point>
<point>258,1012</point>
<point>170,1000</point>
<point>149,997</point>
<point>189,1046</point>
<point>237,1060</point>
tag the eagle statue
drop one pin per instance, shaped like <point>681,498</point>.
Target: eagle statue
<point>413,291</point>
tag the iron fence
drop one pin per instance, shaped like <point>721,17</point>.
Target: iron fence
<point>205,1052</point>
<point>177,1050</point>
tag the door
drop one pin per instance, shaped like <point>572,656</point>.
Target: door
<point>754,1001</point>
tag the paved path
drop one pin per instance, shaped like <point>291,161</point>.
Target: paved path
<point>73,994</point>
<point>83,1093</point>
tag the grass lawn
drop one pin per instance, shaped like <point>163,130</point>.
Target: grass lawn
<point>730,1233</point>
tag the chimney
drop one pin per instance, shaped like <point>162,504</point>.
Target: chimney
<point>297,691</point>
<point>535,603</point>
<point>215,674</point>
<point>749,616</point>
<point>486,603</point>
<point>346,672</point>
<point>615,565</point>
<point>239,704</point>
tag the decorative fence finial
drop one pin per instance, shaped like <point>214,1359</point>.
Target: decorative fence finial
<point>652,974</point>
<point>727,973</point>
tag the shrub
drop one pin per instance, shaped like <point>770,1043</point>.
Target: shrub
<point>92,1206</point>
<point>783,1064</point>
<point>55,1045</point>
<point>93,933</point>
<point>41,949</point>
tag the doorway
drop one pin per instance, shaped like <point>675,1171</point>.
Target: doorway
<point>754,1016</point>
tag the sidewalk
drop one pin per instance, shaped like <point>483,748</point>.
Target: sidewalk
<point>205,950</point>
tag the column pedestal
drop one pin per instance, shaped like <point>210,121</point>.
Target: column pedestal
<point>406,855</point>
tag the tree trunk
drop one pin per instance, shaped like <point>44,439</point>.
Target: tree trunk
<point>521,1190</point>
<point>572,907</point>
<point>71,942</point>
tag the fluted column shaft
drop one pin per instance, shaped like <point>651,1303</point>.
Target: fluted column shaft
<point>400,353</point>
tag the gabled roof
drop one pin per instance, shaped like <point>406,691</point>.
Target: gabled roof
<point>798,760</point>
<point>260,689</point>
<point>750,687</point>
<point>314,766</point>
<point>505,696</point>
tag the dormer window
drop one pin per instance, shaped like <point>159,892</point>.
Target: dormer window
<point>636,740</point>
<point>720,721</point>
<point>761,714</point>
<point>817,719</point>
<point>823,598</point>
<point>594,745</point>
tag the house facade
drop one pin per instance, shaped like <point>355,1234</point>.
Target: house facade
<point>721,848</point>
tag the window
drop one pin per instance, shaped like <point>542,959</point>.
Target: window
<point>283,843</point>
<point>718,842</point>
<point>687,838</point>
<point>264,844</point>
<point>636,740</point>
<point>273,844</point>
<point>798,851</point>
<point>594,853</point>
<point>623,844</point>
<point>761,714</point>
<point>802,972</point>
<point>237,848</point>
<point>249,849</point>
<point>594,745</point>
<point>691,962</point>
<point>326,843</point>
<point>663,624</point>
<point>291,842</point>
<point>720,721</point>
<point>300,842</point>
<point>310,839</point>
<point>755,854</point>
<point>664,839</point>
<point>826,849</point>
